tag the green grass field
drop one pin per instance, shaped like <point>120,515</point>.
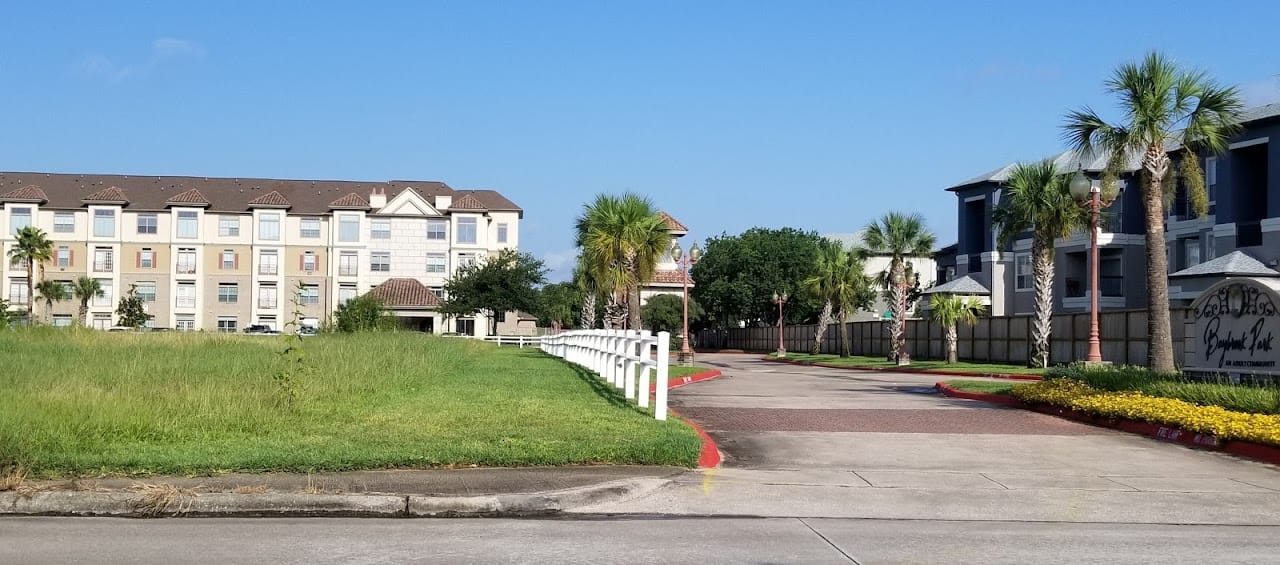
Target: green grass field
<point>990,387</point>
<point>882,363</point>
<point>95,403</point>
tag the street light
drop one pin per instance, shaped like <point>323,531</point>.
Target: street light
<point>1084,192</point>
<point>685,261</point>
<point>780,300</point>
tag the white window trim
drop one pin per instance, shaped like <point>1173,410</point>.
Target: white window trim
<point>1030,273</point>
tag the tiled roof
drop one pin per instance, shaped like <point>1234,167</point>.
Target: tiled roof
<point>351,200</point>
<point>192,196</point>
<point>962,285</point>
<point>67,191</point>
<point>109,194</point>
<point>405,293</point>
<point>467,202</point>
<point>29,192</point>
<point>669,277</point>
<point>672,223</point>
<point>270,199</point>
<point>1231,264</point>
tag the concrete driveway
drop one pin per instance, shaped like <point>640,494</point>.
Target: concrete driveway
<point>814,443</point>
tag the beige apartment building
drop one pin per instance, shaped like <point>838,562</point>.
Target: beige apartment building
<point>224,253</point>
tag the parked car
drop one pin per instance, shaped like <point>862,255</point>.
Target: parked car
<point>306,330</point>
<point>260,329</point>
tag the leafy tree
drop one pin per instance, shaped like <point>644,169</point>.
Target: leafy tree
<point>505,282</point>
<point>132,312</point>
<point>622,239</point>
<point>821,285</point>
<point>50,292</point>
<point>84,290</point>
<point>558,305</point>
<point>737,276</point>
<point>665,313</point>
<point>32,248</point>
<point>1162,103</point>
<point>6,317</point>
<point>950,310</point>
<point>362,314</point>
<point>851,290</point>
<point>900,237</point>
<point>1037,199</point>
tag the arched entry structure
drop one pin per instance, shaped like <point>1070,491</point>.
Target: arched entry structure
<point>1232,331</point>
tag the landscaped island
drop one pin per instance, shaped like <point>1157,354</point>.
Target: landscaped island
<point>92,403</point>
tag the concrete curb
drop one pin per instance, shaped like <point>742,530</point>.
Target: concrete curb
<point>687,380</point>
<point>908,369</point>
<point>950,391</point>
<point>137,505</point>
<point>709,457</point>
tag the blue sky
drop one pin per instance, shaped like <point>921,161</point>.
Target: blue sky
<point>816,115</point>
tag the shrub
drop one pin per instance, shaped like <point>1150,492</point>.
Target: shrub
<point>362,313</point>
<point>1122,378</point>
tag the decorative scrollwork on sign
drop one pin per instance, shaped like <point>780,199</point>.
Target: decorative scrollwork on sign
<point>1252,301</point>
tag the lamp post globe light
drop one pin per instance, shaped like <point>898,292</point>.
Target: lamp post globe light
<point>685,262</point>
<point>780,300</point>
<point>1083,191</point>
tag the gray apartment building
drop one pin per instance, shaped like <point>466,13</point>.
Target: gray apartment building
<point>1239,236</point>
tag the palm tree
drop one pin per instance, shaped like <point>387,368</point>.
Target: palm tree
<point>1037,199</point>
<point>622,239</point>
<point>51,291</point>
<point>851,290</point>
<point>899,237</point>
<point>86,289</point>
<point>950,310</point>
<point>1163,104</point>
<point>33,248</point>
<point>822,283</point>
<point>587,286</point>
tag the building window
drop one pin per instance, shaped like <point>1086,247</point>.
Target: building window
<point>348,264</point>
<point>502,233</point>
<point>468,259</point>
<point>1209,251</point>
<point>229,226</point>
<point>228,293</point>
<point>1190,252</point>
<point>68,288</point>
<point>466,326</point>
<point>1111,272</point>
<point>437,230</point>
<point>309,262</point>
<point>310,228</point>
<point>145,290</point>
<point>227,324</point>
<point>103,260</point>
<point>147,223</point>
<point>309,294</point>
<point>18,291</point>
<point>346,292</point>
<point>348,227</point>
<point>185,323</point>
<point>64,222</point>
<point>1022,272</point>
<point>188,227</point>
<point>62,320</point>
<point>104,223</point>
<point>64,256</point>
<point>268,262</point>
<point>186,297</point>
<point>101,321</point>
<point>436,262</point>
<point>19,218</point>
<point>950,273</point>
<point>466,230</point>
<point>269,227</point>
<point>106,299</point>
<point>229,260</point>
<point>267,296</point>
<point>381,229</point>
<point>186,261</point>
<point>380,261</point>
<point>146,258</point>
<point>1211,177</point>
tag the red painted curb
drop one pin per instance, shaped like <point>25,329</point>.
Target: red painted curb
<point>948,390</point>
<point>709,456</point>
<point>909,369</point>
<point>687,380</point>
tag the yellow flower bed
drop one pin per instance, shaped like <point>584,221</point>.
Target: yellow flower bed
<point>1220,422</point>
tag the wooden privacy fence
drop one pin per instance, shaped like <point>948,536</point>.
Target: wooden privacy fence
<point>997,339</point>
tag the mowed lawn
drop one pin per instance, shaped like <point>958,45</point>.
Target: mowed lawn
<point>93,403</point>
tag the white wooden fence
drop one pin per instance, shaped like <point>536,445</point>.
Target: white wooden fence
<point>624,359</point>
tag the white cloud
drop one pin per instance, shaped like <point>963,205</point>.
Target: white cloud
<point>164,51</point>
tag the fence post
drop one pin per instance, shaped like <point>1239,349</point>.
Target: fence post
<point>664,364</point>
<point>645,356</point>
<point>629,346</point>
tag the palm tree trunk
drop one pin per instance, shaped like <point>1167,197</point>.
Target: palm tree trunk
<point>588,313</point>
<point>824,320</point>
<point>898,308</point>
<point>1042,275</point>
<point>844,332</point>
<point>615,313</point>
<point>1159,333</point>
<point>84,310</point>
<point>31,291</point>
<point>952,338</point>
<point>633,307</point>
